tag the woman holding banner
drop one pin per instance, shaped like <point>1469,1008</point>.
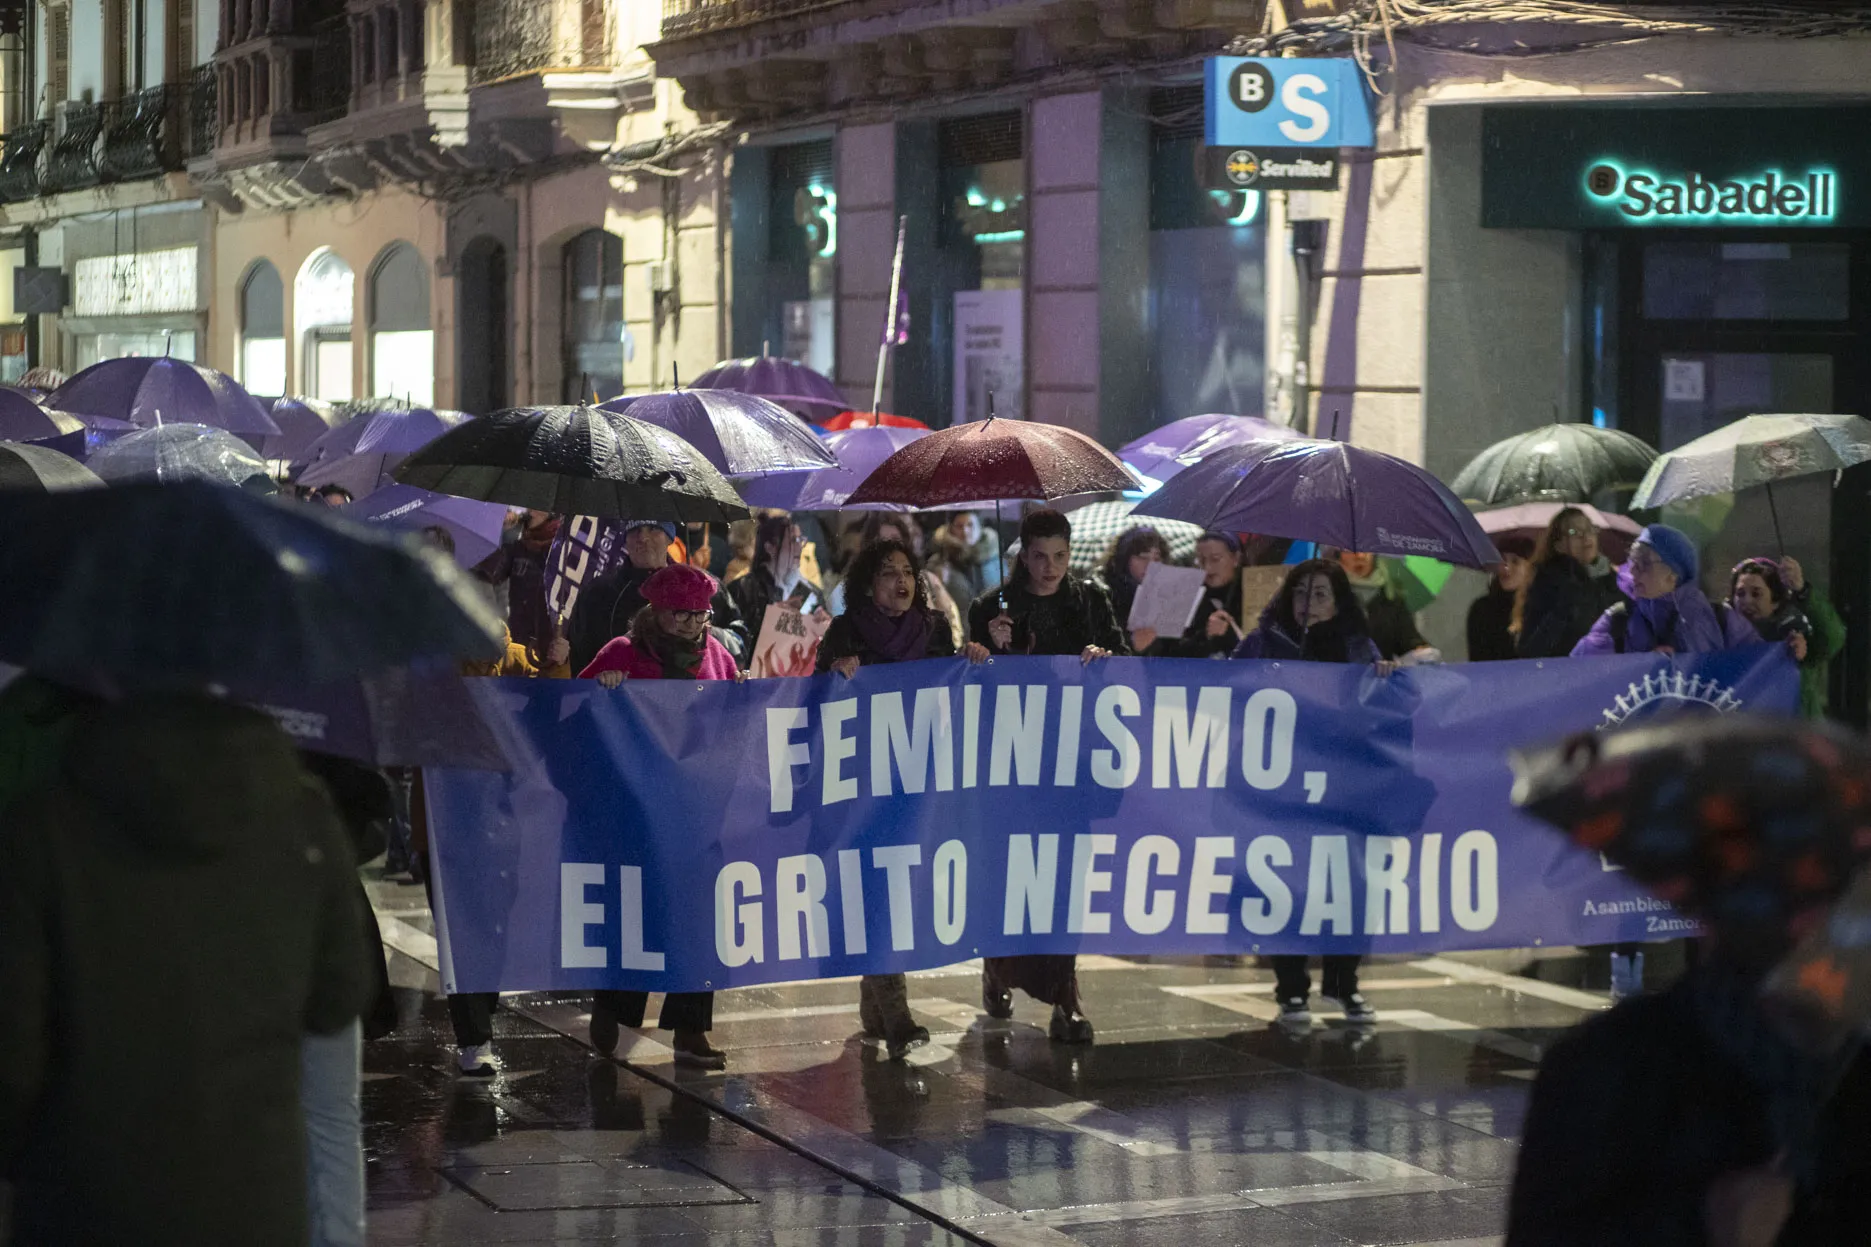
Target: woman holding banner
<point>1043,609</point>
<point>1316,617</point>
<point>887,618</point>
<point>668,640</point>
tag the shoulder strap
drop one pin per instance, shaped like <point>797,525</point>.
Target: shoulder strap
<point>1620,616</point>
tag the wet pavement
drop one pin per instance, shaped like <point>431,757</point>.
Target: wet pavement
<point>1193,1120</point>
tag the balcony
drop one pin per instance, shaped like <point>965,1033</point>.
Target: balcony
<point>142,134</point>
<point>204,118</point>
<point>763,60</point>
<point>513,38</point>
<point>19,161</point>
<point>72,163</point>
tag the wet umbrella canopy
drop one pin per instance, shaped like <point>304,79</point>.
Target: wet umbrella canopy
<point>40,469</point>
<point>151,392</point>
<point>738,433</point>
<point>301,421</point>
<point>1165,451</point>
<point>1558,463</point>
<point>174,585</point>
<point>1313,490</point>
<point>995,459</point>
<point>858,451</point>
<point>575,461</point>
<point>1755,450</point>
<point>179,452</point>
<point>786,382</point>
<point>476,527</point>
<point>23,420</point>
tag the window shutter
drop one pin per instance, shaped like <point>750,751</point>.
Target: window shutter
<point>58,53</point>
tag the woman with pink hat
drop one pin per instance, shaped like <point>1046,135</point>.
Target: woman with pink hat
<point>669,640</point>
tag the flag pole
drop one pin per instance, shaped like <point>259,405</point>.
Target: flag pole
<point>890,318</point>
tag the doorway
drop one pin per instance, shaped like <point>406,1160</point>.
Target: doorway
<point>481,279</point>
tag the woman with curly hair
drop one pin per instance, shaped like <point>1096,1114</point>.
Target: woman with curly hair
<point>1126,566</point>
<point>887,618</point>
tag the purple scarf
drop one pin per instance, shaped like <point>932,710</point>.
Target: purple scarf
<point>902,639</point>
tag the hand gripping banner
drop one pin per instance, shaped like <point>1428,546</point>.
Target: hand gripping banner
<point>680,836</point>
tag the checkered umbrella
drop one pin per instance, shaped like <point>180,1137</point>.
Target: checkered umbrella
<point>1097,525</point>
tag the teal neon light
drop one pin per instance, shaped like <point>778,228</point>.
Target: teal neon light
<point>1005,235</point>
<point>1642,196</point>
<point>825,209</point>
<point>1246,213</point>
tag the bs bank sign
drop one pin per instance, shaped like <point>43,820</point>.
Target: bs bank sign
<point>1673,167</point>
<point>1281,102</point>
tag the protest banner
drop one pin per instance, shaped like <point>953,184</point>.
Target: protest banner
<point>676,835</point>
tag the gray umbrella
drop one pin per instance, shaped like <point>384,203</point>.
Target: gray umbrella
<point>179,452</point>
<point>1557,463</point>
<point>42,470</point>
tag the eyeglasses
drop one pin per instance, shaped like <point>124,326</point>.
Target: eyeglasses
<point>691,616</point>
<point>1642,562</point>
<point>1581,532</point>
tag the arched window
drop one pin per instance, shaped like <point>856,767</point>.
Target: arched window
<point>263,330</point>
<point>402,346</point>
<point>322,299</point>
<point>594,316</point>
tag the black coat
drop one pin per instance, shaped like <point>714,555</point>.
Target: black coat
<point>842,641</point>
<point>1634,1116</point>
<point>607,605</point>
<point>178,907</point>
<point>1563,603</point>
<point>1079,614</point>
<point>1195,641</point>
<point>1489,618</point>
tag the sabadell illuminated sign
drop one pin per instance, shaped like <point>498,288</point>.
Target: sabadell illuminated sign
<point>1770,197</point>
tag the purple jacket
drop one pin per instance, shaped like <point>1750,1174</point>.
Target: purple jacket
<point>1272,641</point>
<point>1684,621</point>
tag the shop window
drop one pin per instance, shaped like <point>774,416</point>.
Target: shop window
<point>981,237</point>
<point>1747,280</point>
<point>802,246</point>
<point>322,300</point>
<point>1207,297</point>
<point>402,345</point>
<point>594,316</point>
<point>263,330</point>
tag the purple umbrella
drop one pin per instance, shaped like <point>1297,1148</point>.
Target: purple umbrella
<point>1165,451</point>
<point>23,420</point>
<point>301,422</point>
<point>363,454</point>
<point>784,381</point>
<point>739,434</point>
<point>475,526</point>
<point>404,716</point>
<point>1314,490</point>
<point>859,452</point>
<point>149,391</point>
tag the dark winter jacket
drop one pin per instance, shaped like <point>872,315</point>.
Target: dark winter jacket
<point>1635,1115</point>
<point>1563,602</point>
<point>521,566</point>
<point>1077,615</point>
<point>1326,642</point>
<point>177,909</point>
<point>1393,625</point>
<point>365,807</point>
<point>1489,618</point>
<point>1195,641</point>
<point>842,641</point>
<point>608,604</point>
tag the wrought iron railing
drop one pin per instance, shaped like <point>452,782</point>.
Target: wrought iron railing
<point>694,17</point>
<point>142,134</point>
<point>204,104</point>
<point>72,163</point>
<point>19,161</point>
<point>328,86</point>
<point>515,37</point>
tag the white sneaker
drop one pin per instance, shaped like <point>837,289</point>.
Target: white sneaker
<point>1357,1010</point>
<point>1293,1011</point>
<point>477,1060</point>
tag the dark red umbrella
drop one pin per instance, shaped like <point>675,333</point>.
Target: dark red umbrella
<point>869,420</point>
<point>995,459</point>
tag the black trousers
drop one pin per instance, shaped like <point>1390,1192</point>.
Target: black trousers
<point>1340,977</point>
<point>472,1016</point>
<point>682,1011</point>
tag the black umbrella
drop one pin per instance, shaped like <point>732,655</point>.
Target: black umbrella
<point>575,461</point>
<point>189,584</point>
<point>41,470</point>
<point>1558,463</point>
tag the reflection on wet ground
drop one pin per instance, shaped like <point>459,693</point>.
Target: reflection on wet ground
<point>1195,1119</point>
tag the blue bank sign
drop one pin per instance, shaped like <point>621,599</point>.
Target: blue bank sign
<point>1286,102</point>
<point>1649,166</point>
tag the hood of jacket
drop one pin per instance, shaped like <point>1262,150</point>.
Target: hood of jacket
<point>184,775</point>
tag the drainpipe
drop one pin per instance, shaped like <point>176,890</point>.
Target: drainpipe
<point>530,288</point>
<point>721,252</point>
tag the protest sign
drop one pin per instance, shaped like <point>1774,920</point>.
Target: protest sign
<point>676,835</point>
<point>789,642</point>
<point>1166,600</point>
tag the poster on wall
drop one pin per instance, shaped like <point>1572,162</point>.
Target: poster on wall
<point>989,355</point>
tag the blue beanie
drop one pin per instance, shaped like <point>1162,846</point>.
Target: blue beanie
<point>1674,548</point>
<point>666,527</point>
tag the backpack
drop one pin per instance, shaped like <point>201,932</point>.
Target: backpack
<point>1620,616</point>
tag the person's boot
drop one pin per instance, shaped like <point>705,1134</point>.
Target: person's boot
<point>603,1029</point>
<point>870,1013</point>
<point>997,1000</point>
<point>693,1051</point>
<point>903,1037</point>
<point>477,1060</point>
<point>1069,1026</point>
